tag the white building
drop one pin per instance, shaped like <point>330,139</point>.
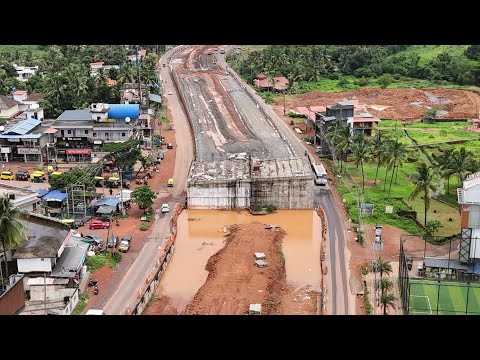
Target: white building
<point>20,198</point>
<point>25,72</point>
<point>469,200</point>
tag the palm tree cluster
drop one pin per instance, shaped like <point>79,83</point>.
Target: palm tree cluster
<point>458,163</point>
<point>385,284</point>
<point>12,233</point>
<point>296,63</point>
<point>64,75</point>
<point>387,152</point>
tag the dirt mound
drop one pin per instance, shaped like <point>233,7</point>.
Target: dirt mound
<point>403,104</point>
<point>234,282</point>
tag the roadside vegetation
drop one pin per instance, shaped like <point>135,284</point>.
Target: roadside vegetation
<point>82,303</point>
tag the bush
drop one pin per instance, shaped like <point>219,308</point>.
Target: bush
<point>82,302</point>
<point>271,208</point>
<point>294,115</point>
<point>363,81</point>
<point>114,259</point>
<point>292,122</point>
<point>143,227</point>
<point>96,262</point>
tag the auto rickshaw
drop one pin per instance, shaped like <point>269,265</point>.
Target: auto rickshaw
<point>37,176</point>
<point>170,183</point>
<point>22,175</point>
<point>98,181</point>
<point>113,182</point>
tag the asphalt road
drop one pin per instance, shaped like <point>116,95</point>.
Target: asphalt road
<point>126,293</point>
<point>337,285</point>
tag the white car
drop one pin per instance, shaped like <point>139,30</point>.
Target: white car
<point>75,233</point>
<point>170,92</point>
<point>165,208</point>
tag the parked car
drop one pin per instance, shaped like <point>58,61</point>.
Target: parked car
<point>6,175</point>
<point>318,149</point>
<point>165,208</point>
<point>22,175</point>
<point>99,224</point>
<point>169,146</point>
<point>170,92</point>
<point>113,241</point>
<point>76,234</point>
<point>92,239</point>
<point>125,243</point>
<point>160,156</point>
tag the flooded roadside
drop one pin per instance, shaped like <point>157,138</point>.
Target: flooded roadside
<point>201,234</point>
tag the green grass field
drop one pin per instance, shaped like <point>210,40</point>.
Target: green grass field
<point>448,298</point>
<point>428,52</point>
<point>23,49</point>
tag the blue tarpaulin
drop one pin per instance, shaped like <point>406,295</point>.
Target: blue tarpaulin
<point>55,195</point>
<point>42,192</point>
<point>108,201</point>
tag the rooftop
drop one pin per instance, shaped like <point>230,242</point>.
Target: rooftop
<point>7,103</point>
<point>21,194</point>
<point>69,115</point>
<point>45,237</point>
<point>21,127</point>
<point>19,92</point>
<point>71,259</point>
<point>34,97</point>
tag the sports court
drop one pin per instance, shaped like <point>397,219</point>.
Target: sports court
<point>443,298</point>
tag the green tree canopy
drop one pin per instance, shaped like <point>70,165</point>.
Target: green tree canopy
<point>143,196</point>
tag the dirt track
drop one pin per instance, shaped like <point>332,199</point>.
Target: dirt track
<point>235,282</point>
<point>404,104</point>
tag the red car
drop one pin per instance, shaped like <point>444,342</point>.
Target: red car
<point>99,224</point>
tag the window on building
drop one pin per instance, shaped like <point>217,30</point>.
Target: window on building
<point>94,134</point>
<point>62,132</point>
<point>123,134</point>
<point>99,118</point>
<point>86,132</point>
<point>69,132</point>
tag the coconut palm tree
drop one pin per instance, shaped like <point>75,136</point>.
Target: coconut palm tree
<point>12,231</point>
<point>443,162</point>
<point>383,267</point>
<point>385,285</point>
<point>342,142</point>
<point>387,300</point>
<point>398,154</point>
<point>361,153</point>
<point>462,163</point>
<point>425,184</point>
<point>377,144</point>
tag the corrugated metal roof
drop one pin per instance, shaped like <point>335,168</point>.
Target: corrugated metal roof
<point>22,127</point>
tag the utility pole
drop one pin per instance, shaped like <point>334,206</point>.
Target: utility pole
<point>137,58</point>
<point>122,209</point>
<point>45,291</point>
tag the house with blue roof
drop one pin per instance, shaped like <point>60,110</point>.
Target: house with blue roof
<point>23,140</point>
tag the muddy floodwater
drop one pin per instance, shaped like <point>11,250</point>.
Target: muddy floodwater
<point>201,234</point>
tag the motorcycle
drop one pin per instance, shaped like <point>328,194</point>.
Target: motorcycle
<point>95,290</point>
<point>92,282</point>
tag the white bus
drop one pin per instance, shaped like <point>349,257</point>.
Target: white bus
<point>320,174</point>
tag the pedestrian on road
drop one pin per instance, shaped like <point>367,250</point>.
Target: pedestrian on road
<point>111,192</point>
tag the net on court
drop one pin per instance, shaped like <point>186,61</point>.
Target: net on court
<point>443,298</point>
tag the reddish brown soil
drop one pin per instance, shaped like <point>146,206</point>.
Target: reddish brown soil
<point>234,282</point>
<point>108,278</point>
<point>460,103</point>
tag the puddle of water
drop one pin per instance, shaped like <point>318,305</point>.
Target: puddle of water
<point>200,235</point>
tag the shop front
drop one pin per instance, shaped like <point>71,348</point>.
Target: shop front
<point>79,155</point>
<point>30,154</point>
